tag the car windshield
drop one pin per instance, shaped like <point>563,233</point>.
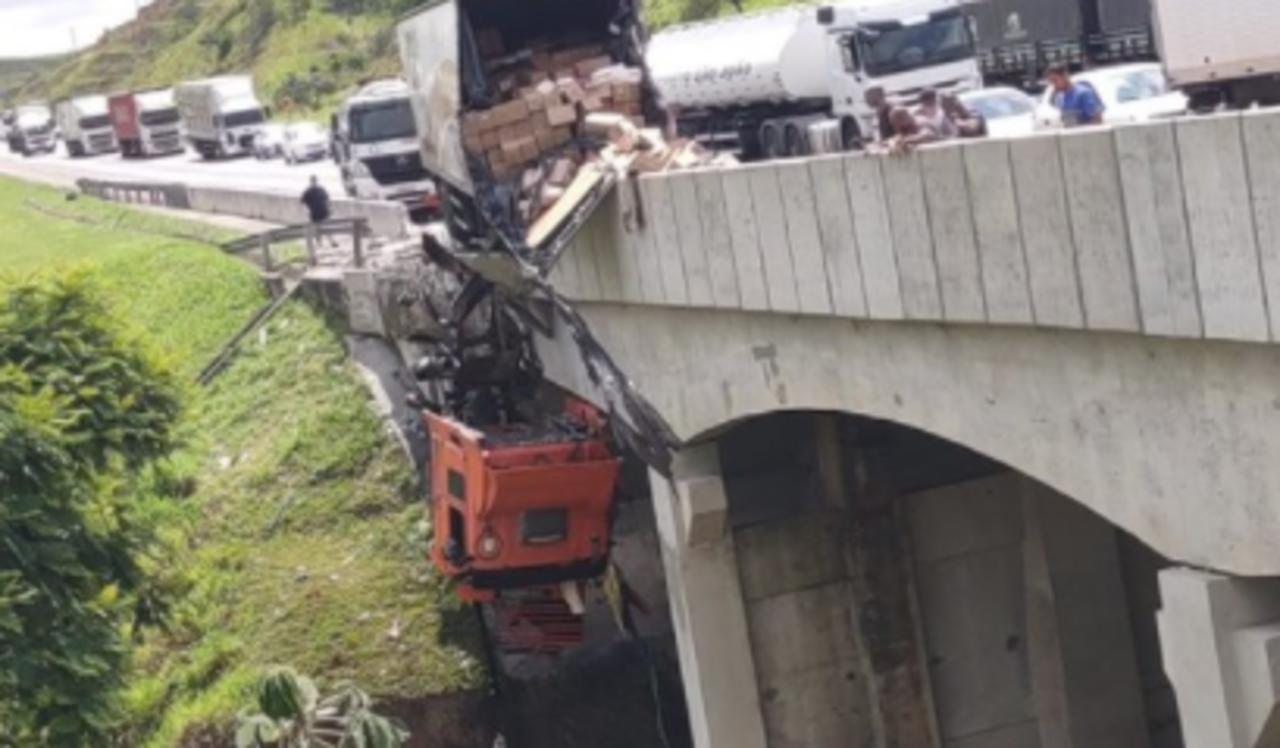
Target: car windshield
<point>250,117</point>
<point>1134,85</point>
<point>893,48</point>
<point>999,106</point>
<point>389,121</point>
<point>162,117</point>
<point>95,123</point>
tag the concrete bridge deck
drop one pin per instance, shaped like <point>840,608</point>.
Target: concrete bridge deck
<point>898,379</point>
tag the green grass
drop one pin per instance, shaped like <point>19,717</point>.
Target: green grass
<point>290,525</point>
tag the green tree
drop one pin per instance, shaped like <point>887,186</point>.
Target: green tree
<point>83,409</point>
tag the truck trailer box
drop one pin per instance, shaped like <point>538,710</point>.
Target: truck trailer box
<point>1205,42</point>
<point>124,116</point>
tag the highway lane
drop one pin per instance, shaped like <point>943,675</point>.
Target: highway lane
<point>187,168</point>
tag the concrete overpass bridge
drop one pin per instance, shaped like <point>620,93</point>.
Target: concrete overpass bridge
<point>982,442</point>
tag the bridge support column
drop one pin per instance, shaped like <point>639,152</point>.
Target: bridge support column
<point>1221,642</point>
<point>707,609</point>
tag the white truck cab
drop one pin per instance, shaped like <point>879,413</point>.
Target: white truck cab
<point>86,126</point>
<point>793,80</point>
<point>377,150</point>
<point>221,115</point>
<point>33,131</point>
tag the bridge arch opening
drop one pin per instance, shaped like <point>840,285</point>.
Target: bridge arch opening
<point>903,590</point>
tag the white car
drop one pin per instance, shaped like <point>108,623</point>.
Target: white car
<point>269,142</point>
<point>1009,112</point>
<point>1130,93</point>
<point>305,141</point>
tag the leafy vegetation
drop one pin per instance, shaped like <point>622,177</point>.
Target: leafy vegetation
<point>291,714</point>
<point>287,525</point>
<point>83,410</point>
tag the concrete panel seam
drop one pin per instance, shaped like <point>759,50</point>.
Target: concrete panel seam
<point>1128,238</point>
<point>1071,229</point>
<point>1186,217</point>
<point>1257,237</point>
<point>1022,236</point>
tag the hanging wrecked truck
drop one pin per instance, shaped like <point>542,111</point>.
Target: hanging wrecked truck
<point>528,113</point>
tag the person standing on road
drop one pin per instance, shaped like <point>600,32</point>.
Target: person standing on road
<point>1078,102</point>
<point>316,198</point>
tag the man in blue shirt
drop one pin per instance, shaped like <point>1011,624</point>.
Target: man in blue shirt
<point>1078,102</point>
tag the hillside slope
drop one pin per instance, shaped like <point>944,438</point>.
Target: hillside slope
<point>17,72</point>
<point>304,54</point>
<point>289,525</point>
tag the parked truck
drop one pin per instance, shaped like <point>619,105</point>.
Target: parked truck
<point>791,81</point>
<point>86,126</point>
<point>1221,55</point>
<point>33,130</point>
<point>376,148</point>
<point>1018,39</point>
<point>221,115</point>
<point>146,123</point>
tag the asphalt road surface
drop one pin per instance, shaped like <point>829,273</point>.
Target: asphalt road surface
<point>187,168</point>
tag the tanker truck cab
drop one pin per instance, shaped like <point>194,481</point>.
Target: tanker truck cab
<point>792,81</point>
<point>376,149</point>
<point>86,126</point>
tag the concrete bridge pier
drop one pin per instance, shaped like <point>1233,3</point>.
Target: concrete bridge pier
<point>1221,641</point>
<point>837,582</point>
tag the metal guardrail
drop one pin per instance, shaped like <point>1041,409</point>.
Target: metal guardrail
<point>169,195</point>
<point>355,228</point>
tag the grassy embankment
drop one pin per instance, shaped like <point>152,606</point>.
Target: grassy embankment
<point>298,537</point>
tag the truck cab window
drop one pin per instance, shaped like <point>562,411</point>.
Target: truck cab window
<point>849,53</point>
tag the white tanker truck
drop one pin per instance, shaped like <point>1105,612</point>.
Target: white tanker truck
<point>790,82</point>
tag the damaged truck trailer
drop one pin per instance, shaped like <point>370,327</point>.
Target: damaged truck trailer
<point>502,94</point>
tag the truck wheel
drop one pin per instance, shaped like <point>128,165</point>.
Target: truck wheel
<point>850,134</point>
<point>771,142</point>
<point>795,144</point>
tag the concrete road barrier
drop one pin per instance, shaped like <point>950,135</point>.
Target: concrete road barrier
<point>386,219</point>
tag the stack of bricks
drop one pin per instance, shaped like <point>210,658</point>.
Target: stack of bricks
<point>545,94</point>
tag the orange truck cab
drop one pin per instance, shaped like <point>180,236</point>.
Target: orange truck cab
<point>521,506</point>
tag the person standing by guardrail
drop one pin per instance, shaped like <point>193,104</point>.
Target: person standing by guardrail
<point>316,198</point>
<point>1079,103</point>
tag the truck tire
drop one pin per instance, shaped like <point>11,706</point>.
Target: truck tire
<point>74,149</point>
<point>794,141</point>
<point>771,145</point>
<point>850,134</point>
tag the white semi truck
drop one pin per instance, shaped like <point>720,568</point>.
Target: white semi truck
<point>1221,53</point>
<point>146,123</point>
<point>86,126</point>
<point>376,148</point>
<point>792,81</point>
<point>33,131</point>
<point>221,115</point>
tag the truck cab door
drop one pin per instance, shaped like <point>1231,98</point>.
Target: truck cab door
<point>844,73</point>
